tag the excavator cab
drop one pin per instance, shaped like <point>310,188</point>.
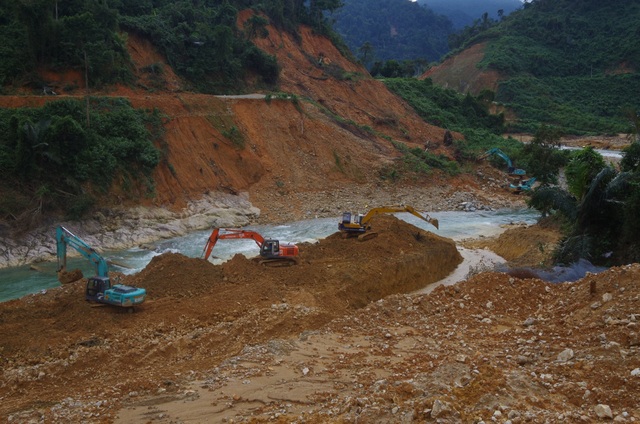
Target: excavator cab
<point>352,218</point>
<point>270,249</point>
<point>96,287</point>
<point>272,253</point>
<point>351,222</point>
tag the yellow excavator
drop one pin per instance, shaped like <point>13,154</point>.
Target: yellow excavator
<point>356,224</point>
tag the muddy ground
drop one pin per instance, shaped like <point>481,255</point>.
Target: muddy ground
<point>350,334</point>
<point>56,346</point>
<point>346,336</point>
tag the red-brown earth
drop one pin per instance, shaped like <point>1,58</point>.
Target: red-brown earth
<point>342,337</point>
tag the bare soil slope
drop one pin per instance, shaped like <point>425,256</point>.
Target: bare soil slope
<point>461,72</point>
<point>523,246</point>
<point>334,134</point>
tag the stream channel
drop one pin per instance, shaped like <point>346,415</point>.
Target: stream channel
<point>16,282</point>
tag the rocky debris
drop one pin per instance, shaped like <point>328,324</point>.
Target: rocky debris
<point>66,277</point>
<point>443,357</point>
<point>286,205</point>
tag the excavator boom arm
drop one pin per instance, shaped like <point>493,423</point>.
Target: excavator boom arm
<point>66,238</point>
<point>432,221</point>
<point>229,233</point>
<point>391,209</point>
<point>499,153</point>
<point>512,170</point>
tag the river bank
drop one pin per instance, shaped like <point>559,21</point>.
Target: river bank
<point>115,229</point>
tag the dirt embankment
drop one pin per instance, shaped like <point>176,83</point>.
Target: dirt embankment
<point>335,134</point>
<point>336,338</point>
<point>345,336</point>
<point>55,346</point>
<point>319,154</point>
<point>491,349</point>
<point>523,246</point>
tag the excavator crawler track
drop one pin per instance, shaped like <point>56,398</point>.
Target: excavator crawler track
<point>276,263</point>
<point>367,236</point>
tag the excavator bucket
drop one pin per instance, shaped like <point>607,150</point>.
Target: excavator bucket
<point>66,277</point>
<point>434,222</point>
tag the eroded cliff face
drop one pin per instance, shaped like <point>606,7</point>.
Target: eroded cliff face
<point>334,132</point>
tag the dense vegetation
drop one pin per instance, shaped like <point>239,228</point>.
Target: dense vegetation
<point>600,208</point>
<point>567,63</point>
<point>578,104</point>
<point>444,107</point>
<point>57,158</point>
<point>464,13</point>
<point>381,30</point>
<point>601,204</point>
<point>200,40</point>
<point>449,109</point>
<point>60,156</point>
<point>566,38</point>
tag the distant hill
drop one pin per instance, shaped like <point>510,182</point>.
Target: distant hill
<point>463,12</point>
<point>568,63</point>
<point>395,29</point>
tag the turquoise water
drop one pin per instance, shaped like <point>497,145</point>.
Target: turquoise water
<point>16,282</point>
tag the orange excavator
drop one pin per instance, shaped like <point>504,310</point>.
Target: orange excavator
<point>272,252</point>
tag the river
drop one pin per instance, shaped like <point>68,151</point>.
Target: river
<point>19,281</point>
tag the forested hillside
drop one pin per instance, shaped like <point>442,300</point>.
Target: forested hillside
<point>464,12</point>
<point>572,64</point>
<point>62,157</point>
<point>381,30</point>
<point>200,40</point>
<point>538,58</point>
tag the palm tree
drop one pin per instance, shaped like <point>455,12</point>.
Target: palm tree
<point>31,147</point>
<point>595,222</point>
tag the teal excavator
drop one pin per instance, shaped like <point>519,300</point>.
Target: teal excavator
<point>521,184</point>
<point>512,170</point>
<point>99,288</point>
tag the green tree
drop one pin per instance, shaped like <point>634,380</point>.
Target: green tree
<point>317,9</point>
<point>543,157</point>
<point>583,167</point>
<point>256,26</point>
<point>631,157</point>
<point>633,117</point>
<point>391,69</point>
<point>366,54</point>
<point>595,223</point>
<point>31,148</point>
